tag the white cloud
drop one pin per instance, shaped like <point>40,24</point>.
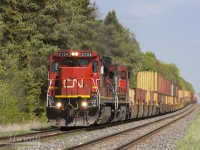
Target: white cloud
<point>156,7</point>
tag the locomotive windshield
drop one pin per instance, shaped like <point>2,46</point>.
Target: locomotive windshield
<point>68,62</point>
<point>82,62</point>
<point>123,75</point>
<point>95,66</point>
<point>55,66</point>
<point>75,63</point>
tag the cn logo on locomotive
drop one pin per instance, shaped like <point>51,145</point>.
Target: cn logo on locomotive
<point>66,83</point>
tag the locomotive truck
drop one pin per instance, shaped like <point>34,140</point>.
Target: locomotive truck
<point>85,88</point>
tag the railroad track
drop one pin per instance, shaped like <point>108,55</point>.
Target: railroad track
<point>25,138</point>
<point>37,136</point>
<point>132,136</point>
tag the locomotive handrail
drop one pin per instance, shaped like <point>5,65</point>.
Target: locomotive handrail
<point>98,92</point>
<point>48,97</point>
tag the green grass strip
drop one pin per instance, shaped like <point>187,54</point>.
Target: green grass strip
<point>13,133</point>
<point>191,141</point>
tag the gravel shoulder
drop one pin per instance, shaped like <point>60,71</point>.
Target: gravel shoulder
<point>168,138</point>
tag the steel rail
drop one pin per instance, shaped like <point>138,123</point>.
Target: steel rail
<point>102,139</point>
<point>145,136</point>
<point>18,139</point>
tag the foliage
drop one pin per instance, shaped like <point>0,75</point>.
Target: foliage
<point>149,62</point>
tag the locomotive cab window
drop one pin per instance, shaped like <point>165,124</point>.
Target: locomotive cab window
<point>95,67</point>
<point>68,62</point>
<point>55,67</point>
<point>82,62</point>
<point>111,75</point>
<point>123,75</point>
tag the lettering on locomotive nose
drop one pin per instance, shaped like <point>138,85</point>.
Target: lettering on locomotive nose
<point>70,83</point>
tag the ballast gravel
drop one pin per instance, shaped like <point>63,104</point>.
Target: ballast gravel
<point>165,141</point>
<point>124,138</point>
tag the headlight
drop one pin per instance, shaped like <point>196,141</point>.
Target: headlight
<point>59,104</point>
<point>74,53</point>
<point>84,104</point>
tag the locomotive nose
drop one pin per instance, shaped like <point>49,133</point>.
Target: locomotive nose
<point>75,81</point>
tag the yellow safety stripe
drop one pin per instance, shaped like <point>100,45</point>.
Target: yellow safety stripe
<point>72,96</point>
<point>53,87</point>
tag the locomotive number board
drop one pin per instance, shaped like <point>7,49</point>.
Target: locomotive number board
<point>86,54</point>
<point>63,54</point>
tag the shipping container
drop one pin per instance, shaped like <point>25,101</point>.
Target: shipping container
<point>148,97</point>
<point>170,100</point>
<point>175,101</point>
<point>176,92</point>
<point>152,81</point>
<point>181,101</point>
<point>159,83</point>
<point>155,100</point>
<point>161,98</point>
<point>137,95</point>
<point>168,90</point>
<point>178,100</point>
<point>132,96</point>
<point>172,89</point>
<point>147,80</point>
<point>180,94</point>
<point>165,99</point>
<point>140,96</point>
<point>151,97</point>
<point>164,86</point>
<point>187,94</point>
<point>187,100</point>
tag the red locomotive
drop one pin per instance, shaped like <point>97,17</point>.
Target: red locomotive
<point>85,88</point>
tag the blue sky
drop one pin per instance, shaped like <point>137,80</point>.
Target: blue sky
<point>168,28</point>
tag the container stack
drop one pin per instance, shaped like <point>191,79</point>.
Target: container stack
<point>148,87</point>
<point>154,88</point>
<point>154,84</point>
<point>147,80</point>
<point>180,96</point>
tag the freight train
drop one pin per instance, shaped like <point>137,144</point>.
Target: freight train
<point>85,89</point>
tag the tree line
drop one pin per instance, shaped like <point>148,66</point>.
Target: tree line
<point>30,31</point>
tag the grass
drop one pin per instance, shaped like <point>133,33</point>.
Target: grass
<point>15,129</point>
<point>191,141</point>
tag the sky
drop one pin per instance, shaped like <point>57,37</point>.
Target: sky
<point>168,28</point>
